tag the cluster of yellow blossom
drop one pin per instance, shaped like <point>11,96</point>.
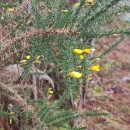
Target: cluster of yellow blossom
<point>94,68</point>
<point>75,74</point>
<point>87,50</point>
<point>37,60</point>
<point>80,52</point>
<point>88,3</point>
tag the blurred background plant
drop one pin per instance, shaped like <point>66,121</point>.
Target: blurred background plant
<point>48,60</point>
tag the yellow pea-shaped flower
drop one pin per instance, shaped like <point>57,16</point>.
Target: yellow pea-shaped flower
<point>78,51</point>
<point>81,57</point>
<point>28,57</point>
<point>87,50</point>
<point>76,74</point>
<point>95,68</point>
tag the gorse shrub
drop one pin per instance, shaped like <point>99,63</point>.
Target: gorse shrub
<point>52,41</point>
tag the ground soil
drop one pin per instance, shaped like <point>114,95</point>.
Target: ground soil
<point>115,78</point>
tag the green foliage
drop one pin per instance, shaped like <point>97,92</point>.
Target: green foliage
<point>61,32</point>
<point>62,117</point>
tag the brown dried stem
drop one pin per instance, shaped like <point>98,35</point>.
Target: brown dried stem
<point>37,32</point>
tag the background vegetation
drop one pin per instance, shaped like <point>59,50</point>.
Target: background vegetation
<point>50,62</point>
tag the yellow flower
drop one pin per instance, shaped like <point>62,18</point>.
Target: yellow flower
<point>76,74</point>
<point>28,57</point>
<point>88,50</point>
<point>77,4</point>
<point>50,91</point>
<point>81,57</point>
<point>95,68</point>
<point>10,10</point>
<point>78,51</point>
<point>65,10</point>
<point>90,2</point>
